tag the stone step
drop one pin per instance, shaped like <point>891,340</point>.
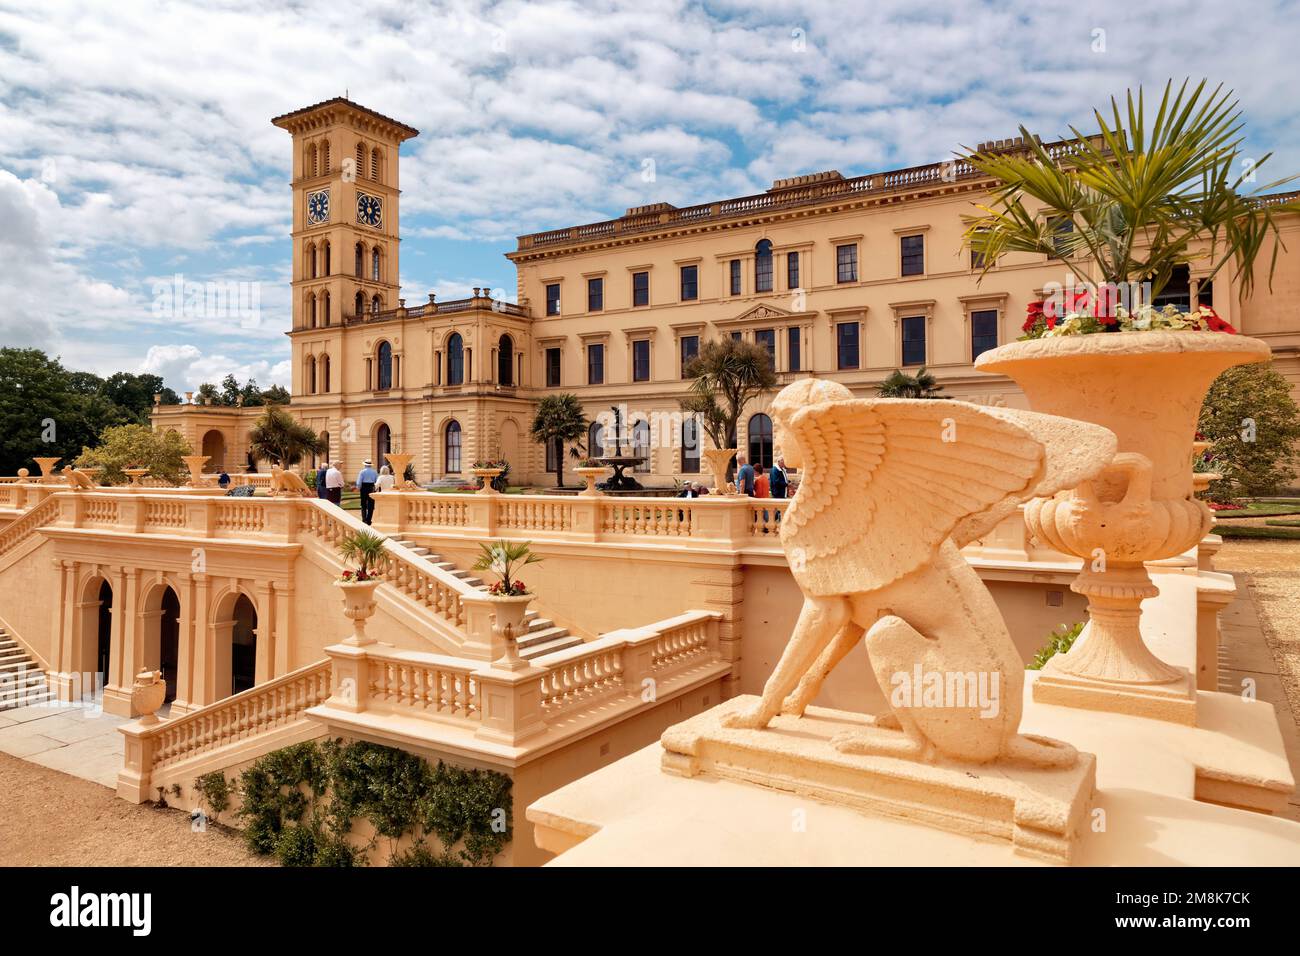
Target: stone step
<point>14,701</point>
<point>541,636</point>
<point>18,664</point>
<point>12,654</point>
<point>23,678</point>
<point>550,647</point>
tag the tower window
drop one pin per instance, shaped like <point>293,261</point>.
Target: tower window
<point>763,266</point>
<point>361,163</point>
<point>374,165</point>
<point>374,264</point>
<point>385,364</point>
<point>360,256</point>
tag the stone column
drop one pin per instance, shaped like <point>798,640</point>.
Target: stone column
<point>185,646</point>
<point>117,691</point>
<point>265,634</point>
<point>282,597</point>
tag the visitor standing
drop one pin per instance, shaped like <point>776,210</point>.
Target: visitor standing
<point>760,486</point>
<point>386,480</point>
<point>334,484</point>
<point>366,479</point>
<point>778,480</point>
<point>321,472</point>
<point>744,476</point>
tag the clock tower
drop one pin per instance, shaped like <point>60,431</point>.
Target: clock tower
<point>345,236</point>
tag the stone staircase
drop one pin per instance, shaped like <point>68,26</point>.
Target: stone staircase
<point>22,682</point>
<point>543,636</point>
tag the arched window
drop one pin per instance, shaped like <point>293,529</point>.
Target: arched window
<point>455,359</point>
<point>311,260</point>
<point>326,247</point>
<point>505,360</point>
<point>760,441</point>
<point>311,311</point>
<point>375,305</point>
<point>361,164</point>
<point>384,356</point>
<point>312,167</point>
<point>325,373</point>
<point>596,440</point>
<point>360,305</point>
<point>383,445</point>
<point>375,164</point>
<point>641,445</point>
<point>763,266</point>
<point>325,309</point>
<point>311,375</point>
<point>451,447</point>
<point>374,264</point>
<point>361,257</point>
<point>325,155</point>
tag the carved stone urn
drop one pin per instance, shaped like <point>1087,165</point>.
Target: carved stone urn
<point>47,469</point>
<point>717,460</point>
<point>135,474</point>
<point>358,606</point>
<point>147,695</point>
<point>1146,387</point>
<point>508,625</point>
<point>488,475</point>
<point>399,461</point>
<point>591,475</point>
<point>195,464</point>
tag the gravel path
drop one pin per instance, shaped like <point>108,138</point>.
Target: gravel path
<point>1274,569</point>
<point>48,818</point>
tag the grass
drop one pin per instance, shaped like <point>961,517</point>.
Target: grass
<point>1266,533</point>
<point>1261,509</point>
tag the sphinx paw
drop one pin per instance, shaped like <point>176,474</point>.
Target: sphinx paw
<point>750,718</point>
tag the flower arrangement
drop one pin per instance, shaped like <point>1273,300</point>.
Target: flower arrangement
<point>589,462</point>
<point>1083,313</point>
<point>366,551</point>
<point>503,558</point>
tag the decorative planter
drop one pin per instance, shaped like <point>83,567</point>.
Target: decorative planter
<point>399,461</point>
<point>195,464</point>
<point>1146,387</point>
<point>147,695</point>
<point>47,469</point>
<point>717,460</point>
<point>358,606</point>
<point>590,476</point>
<point>488,475</point>
<point>508,613</point>
<point>135,474</point>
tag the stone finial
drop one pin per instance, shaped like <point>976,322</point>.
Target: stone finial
<point>476,292</point>
<point>148,694</point>
<point>433,297</point>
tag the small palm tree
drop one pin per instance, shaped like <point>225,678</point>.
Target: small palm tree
<point>365,550</point>
<point>727,373</point>
<point>504,558</point>
<point>559,421</point>
<point>901,385</point>
<point>279,437</point>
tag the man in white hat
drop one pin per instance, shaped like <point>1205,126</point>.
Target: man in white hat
<point>366,479</point>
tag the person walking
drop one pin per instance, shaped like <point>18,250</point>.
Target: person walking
<point>744,476</point>
<point>334,485</point>
<point>386,480</point>
<point>778,480</point>
<point>321,472</point>
<point>366,479</point>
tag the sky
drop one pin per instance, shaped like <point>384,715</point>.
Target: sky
<point>136,144</point>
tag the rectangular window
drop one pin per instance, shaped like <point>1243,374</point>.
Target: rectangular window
<point>735,277</point>
<point>552,368</point>
<point>796,360</point>
<point>912,249</point>
<point>1061,226</point>
<point>976,259</point>
<point>792,270</point>
<point>690,447</point>
<point>736,336</point>
<point>914,340</point>
<point>763,270</point>
<point>640,288</point>
<point>690,349</point>
<point>846,263</point>
<point>553,299</point>
<point>767,339</point>
<point>595,364</point>
<point>641,360</point>
<point>983,331</point>
<point>690,283</point>
<point>846,339</point>
<point>550,456</point>
<point>595,295</point>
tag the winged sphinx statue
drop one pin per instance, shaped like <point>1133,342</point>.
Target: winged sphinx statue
<point>891,490</point>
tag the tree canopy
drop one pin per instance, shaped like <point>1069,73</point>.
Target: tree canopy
<point>558,421</point>
<point>728,373</point>
<point>1252,424</point>
<point>136,446</point>
<point>280,438</point>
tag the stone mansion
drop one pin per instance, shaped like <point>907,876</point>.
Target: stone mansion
<point>842,278</point>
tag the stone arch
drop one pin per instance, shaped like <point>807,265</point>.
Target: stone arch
<point>383,444</point>
<point>92,646</point>
<point>161,633</point>
<point>214,446</point>
<point>235,626</point>
<point>508,436</point>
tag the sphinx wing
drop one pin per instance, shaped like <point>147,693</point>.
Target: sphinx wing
<point>886,481</point>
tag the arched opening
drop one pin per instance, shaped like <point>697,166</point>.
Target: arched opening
<point>214,446</point>
<point>311,260</point>
<point>311,311</point>
<point>325,309</point>
<point>161,637</point>
<point>359,305</point>
<point>505,360</point>
<point>360,258</point>
<point>383,445</point>
<point>325,373</point>
<point>641,446</point>
<point>374,263</point>
<point>376,164</point>
<point>596,440</point>
<point>103,632</point>
<point>325,156</point>
<point>361,164</point>
<point>375,306</point>
<point>235,667</point>
<point>326,247</point>
<point>760,441</point>
<point>384,366</point>
<point>311,375</point>
<point>455,359</point>
<point>313,165</point>
<point>763,266</point>
<point>451,447</point>
<point>508,437</point>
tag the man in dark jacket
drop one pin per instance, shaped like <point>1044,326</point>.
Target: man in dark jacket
<point>778,480</point>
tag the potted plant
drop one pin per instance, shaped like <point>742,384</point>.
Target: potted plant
<point>589,469</point>
<point>1125,208</point>
<point>368,558</point>
<point>727,375</point>
<point>509,595</point>
<point>493,475</point>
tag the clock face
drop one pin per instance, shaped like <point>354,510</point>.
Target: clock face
<point>370,210</point>
<point>318,207</point>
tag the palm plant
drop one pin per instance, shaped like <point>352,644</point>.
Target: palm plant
<point>1136,201</point>
<point>558,421</point>
<point>366,552</point>
<point>901,385</point>
<point>279,437</point>
<point>727,374</point>
<point>504,558</point>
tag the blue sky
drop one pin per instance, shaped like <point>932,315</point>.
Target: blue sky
<point>135,141</point>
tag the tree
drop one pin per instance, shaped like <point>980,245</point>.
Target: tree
<point>728,373</point>
<point>1141,203</point>
<point>275,395</point>
<point>280,438</point>
<point>135,393</point>
<point>136,446</point>
<point>36,410</point>
<point>559,420</point>
<point>1253,425</point>
<point>901,385</point>
<point>209,391</point>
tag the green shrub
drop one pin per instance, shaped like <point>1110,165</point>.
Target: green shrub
<point>1058,642</point>
<point>214,790</point>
